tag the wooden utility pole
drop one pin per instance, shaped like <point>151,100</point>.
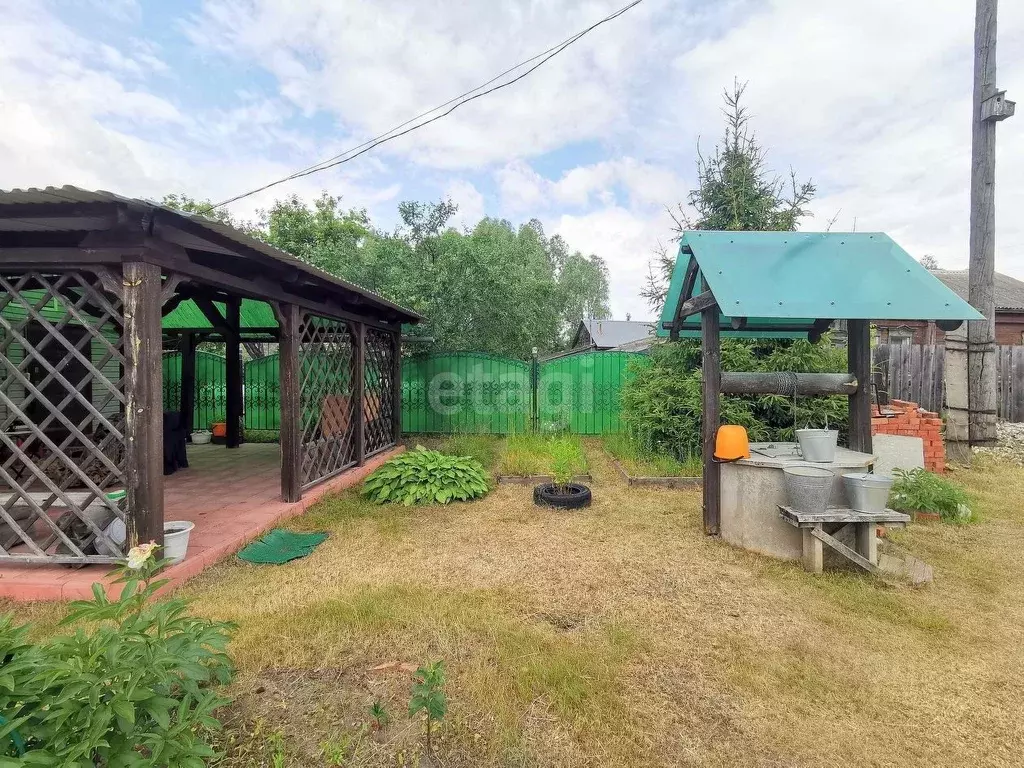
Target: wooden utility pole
<point>989,107</point>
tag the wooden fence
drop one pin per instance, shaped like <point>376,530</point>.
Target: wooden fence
<point>915,372</point>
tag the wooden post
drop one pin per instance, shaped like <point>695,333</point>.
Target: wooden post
<point>187,349</point>
<point>988,107</point>
<point>396,390</point>
<point>858,355</point>
<point>711,382</point>
<point>291,413</point>
<point>233,374</point>
<point>143,389</point>
<point>358,391</point>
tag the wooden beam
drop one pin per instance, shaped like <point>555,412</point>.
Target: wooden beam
<point>187,348</point>
<point>233,375</point>
<point>858,352</point>
<point>691,307</point>
<point>837,546</point>
<point>689,279</point>
<point>143,385</point>
<point>711,384</point>
<point>818,329</point>
<point>775,383</point>
<point>41,256</point>
<point>291,422</point>
<point>219,322</point>
<point>358,390</point>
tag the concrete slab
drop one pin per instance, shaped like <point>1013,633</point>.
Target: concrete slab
<point>897,451</point>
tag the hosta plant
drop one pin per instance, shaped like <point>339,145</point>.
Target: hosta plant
<point>426,477</point>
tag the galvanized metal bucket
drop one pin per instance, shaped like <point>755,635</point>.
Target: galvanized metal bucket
<point>808,488</point>
<point>818,445</point>
<point>866,492</point>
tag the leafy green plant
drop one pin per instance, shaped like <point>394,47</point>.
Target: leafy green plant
<point>428,695</point>
<point>532,453</point>
<point>134,685</point>
<point>426,477</point>
<point>379,717</point>
<point>917,490</point>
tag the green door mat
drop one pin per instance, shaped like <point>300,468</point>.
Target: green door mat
<point>280,546</point>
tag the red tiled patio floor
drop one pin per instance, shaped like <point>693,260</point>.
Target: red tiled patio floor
<point>232,496</point>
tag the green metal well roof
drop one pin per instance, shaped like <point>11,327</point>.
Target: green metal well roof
<point>793,278</point>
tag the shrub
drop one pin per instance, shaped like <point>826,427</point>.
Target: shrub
<point>426,477</point>
<point>662,405</point>
<point>918,490</point>
<point>262,436</point>
<point>137,688</point>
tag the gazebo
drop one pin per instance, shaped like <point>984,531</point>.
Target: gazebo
<point>795,285</point>
<point>93,288</point>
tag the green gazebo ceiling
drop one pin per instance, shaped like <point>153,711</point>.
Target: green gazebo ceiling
<point>790,279</point>
<point>253,314</point>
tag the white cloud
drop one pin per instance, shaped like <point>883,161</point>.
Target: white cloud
<point>471,203</point>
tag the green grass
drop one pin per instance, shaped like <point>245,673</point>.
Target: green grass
<point>483,448</point>
<point>640,462</point>
<point>533,454</point>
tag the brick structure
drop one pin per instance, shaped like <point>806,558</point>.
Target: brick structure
<point>909,420</point>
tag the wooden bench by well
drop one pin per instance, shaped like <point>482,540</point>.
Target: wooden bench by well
<point>813,525</point>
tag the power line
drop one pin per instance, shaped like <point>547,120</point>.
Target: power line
<point>456,102</point>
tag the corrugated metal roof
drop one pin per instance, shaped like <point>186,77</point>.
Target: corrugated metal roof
<point>252,313</point>
<point>793,278</point>
<point>612,333</point>
<point>76,195</point>
<point>1009,291</point>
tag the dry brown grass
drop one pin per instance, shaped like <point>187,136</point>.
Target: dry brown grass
<point>621,636</point>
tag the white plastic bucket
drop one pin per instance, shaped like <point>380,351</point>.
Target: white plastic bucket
<point>818,445</point>
<point>866,492</point>
<point>176,534</point>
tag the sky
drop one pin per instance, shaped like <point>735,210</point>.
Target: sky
<point>211,98</point>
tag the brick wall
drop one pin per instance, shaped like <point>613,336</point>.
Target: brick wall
<point>908,419</point>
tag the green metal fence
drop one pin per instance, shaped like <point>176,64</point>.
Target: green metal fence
<point>444,393</point>
<point>580,393</point>
<point>211,388</point>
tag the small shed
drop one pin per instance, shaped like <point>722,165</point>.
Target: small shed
<point>795,285</point>
<point>93,288</point>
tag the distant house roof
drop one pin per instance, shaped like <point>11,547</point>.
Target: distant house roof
<point>605,334</point>
<point>1009,291</point>
<point>637,345</point>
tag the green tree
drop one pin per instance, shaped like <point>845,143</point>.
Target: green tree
<point>736,191</point>
<point>324,235</point>
<point>205,208</point>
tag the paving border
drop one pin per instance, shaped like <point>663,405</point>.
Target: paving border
<point>654,482</point>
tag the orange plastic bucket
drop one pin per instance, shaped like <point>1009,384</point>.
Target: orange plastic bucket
<point>731,443</point>
<point>220,429</point>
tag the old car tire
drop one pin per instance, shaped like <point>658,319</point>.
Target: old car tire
<point>571,496</point>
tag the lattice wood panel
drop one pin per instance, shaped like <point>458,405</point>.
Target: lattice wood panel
<point>379,398</point>
<point>62,445</point>
<point>326,360</point>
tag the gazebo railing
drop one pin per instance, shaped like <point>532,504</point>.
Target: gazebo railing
<point>62,425</point>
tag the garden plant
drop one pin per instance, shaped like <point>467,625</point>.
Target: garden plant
<point>427,477</point>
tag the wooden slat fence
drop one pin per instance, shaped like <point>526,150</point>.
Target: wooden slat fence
<point>915,372</point>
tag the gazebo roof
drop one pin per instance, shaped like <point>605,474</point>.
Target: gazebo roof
<point>782,282</point>
<point>62,215</point>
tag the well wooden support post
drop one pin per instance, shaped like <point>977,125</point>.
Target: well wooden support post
<point>291,421</point>
<point>233,373</point>
<point>187,348</point>
<point>858,352</point>
<point>143,389</point>
<point>358,389</point>
<point>396,388</point>
<point>711,382</point>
